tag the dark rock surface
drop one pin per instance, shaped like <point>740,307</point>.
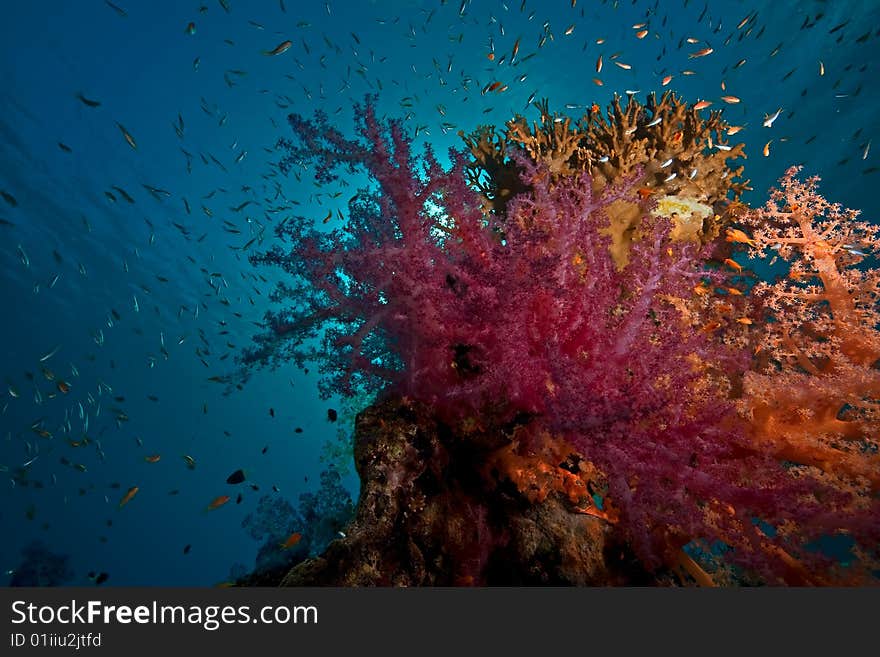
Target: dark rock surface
<point>429,516</point>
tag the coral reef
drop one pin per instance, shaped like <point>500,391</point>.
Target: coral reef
<point>584,345</point>
<point>666,145</point>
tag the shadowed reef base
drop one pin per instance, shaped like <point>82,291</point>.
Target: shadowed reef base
<point>426,517</point>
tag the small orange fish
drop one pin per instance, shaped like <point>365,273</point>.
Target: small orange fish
<point>766,150</point>
<point>733,129</point>
<point>641,34</point>
<point>284,46</point>
<point>712,326</point>
<point>645,192</point>
<point>701,289</point>
<point>701,53</point>
<point>63,387</point>
<point>666,80</point>
<point>598,82</point>
<point>128,495</point>
<point>493,86</point>
<point>515,50</point>
<point>625,67</point>
<point>744,320</point>
<point>292,540</point>
<point>491,56</point>
<point>733,291</point>
<point>217,502</point>
<point>730,99</point>
<point>599,64</point>
<point>595,108</point>
<point>733,264</point>
<point>153,458</point>
<point>736,235</point>
<point>677,136</point>
<point>703,104</point>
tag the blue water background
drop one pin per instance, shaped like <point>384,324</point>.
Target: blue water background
<point>427,61</point>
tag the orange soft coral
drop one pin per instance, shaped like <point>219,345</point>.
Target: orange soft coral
<point>549,465</point>
<point>814,397</point>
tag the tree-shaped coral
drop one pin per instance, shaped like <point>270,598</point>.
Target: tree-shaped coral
<point>814,396</point>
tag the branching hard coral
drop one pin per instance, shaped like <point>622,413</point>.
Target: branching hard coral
<point>816,396</point>
<point>666,145</point>
<point>554,142</point>
<point>490,172</point>
<point>666,129</point>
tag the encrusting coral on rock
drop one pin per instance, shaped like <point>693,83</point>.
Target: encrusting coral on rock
<point>425,518</point>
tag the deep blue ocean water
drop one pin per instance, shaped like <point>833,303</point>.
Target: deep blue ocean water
<point>427,62</point>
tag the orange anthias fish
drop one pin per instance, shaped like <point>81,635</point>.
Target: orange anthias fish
<point>733,264</point>
<point>128,496</point>
<point>703,104</point>
<point>284,46</point>
<point>292,540</point>
<point>701,53</point>
<point>736,235</point>
<point>153,458</point>
<point>217,502</point>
